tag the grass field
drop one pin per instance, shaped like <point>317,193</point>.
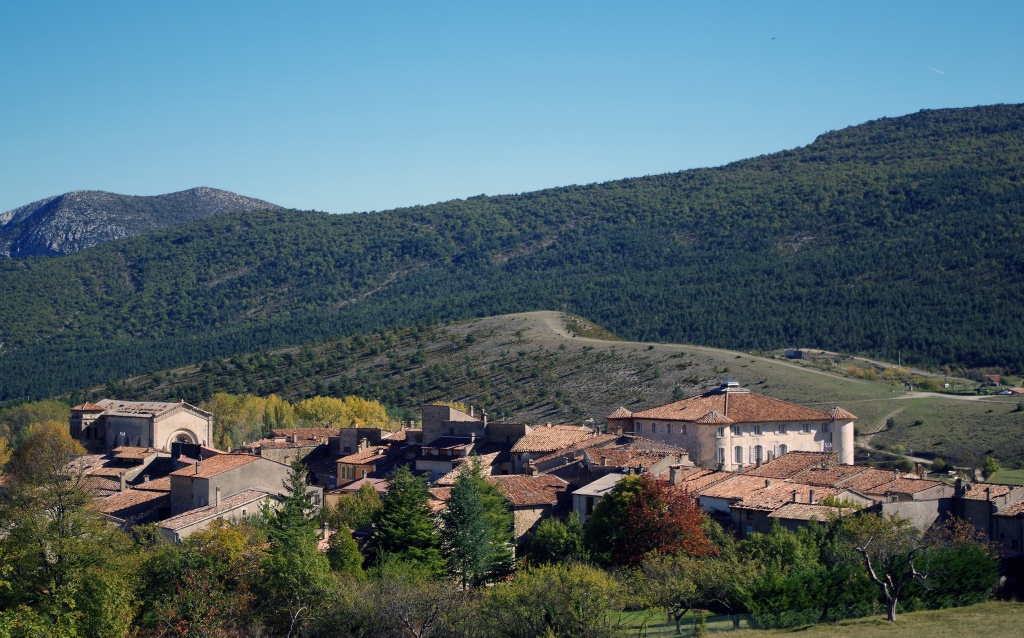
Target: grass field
<point>991,620</point>
<point>1010,477</point>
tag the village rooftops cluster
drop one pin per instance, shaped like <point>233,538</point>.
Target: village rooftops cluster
<point>748,459</point>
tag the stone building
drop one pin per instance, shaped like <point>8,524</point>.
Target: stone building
<point>110,423</point>
<point>731,428</point>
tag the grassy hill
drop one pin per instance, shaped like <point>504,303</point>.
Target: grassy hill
<point>901,234</point>
<point>549,366</point>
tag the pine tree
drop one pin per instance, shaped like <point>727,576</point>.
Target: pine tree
<point>476,530</point>
<point>403,525</point>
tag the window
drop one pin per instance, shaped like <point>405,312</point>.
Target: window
<point>824,427</point>
<point>736,430</point>
<point>682,429</point>
<point>654,428</point>
<point>757,430</point>
<point>639,428</point>
<point>669,428</point>
<point>720,433</point>
<point>783,449</point>
<point>721,456</point>
<point>756,454</point>
<point>806,427</point>
<point>737,454</point>
<point>781,428</point>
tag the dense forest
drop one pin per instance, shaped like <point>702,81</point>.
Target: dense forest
<point>899,235</point>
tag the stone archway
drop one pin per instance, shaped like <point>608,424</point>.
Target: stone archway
<point>181,436</point>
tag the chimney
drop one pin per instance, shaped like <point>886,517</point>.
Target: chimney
<point>145,478</point>
<point>794,496</point>
<point>199,466</point>
<point>485,418</point>
<point>896,474</point>
<point>470,410</point>
<point>988,494</point>
<point>767,483</point>
<point>810,498</point>
<point>217,496</point>
<point>673,475</point>
<point>362,444</point>
<point>124,481</point>
<point>604,461</point>
<point>472,436</point>
<point>531,469</point>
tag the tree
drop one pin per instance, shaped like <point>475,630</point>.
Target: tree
<point>296,577</point>
<point>403,526</point>
<point>678,583</point>
<point>989,467</point>
<point>661,518</point>
<point>554,541</point>
<point>476,530</point>
<point>343,554</point>
<point>353,511</point>
<point>63,569</point>
<point>889,546</point>
<point>604,524</point>
<point>554,600</point>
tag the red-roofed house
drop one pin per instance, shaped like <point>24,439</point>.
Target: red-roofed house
<point>731,428</point>
<point>220,476</point>
<point>532,498</point>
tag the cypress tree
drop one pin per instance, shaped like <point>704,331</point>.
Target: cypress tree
<point>403,525</point>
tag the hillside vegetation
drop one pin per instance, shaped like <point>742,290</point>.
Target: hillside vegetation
<point>897,235</point>
<point>545,367</point>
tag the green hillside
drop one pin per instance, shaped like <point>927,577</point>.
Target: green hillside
<point>900,234</point>
<point>550,367</point>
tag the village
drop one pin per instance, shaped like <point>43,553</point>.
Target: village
<point>749,460</point>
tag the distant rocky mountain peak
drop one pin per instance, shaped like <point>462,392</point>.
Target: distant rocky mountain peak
<point>79,219</point>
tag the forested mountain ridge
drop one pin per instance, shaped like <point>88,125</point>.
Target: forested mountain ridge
<point>77,220</point>
<point>898,234</point>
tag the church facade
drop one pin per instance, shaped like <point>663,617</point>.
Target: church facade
<point>110,423</point>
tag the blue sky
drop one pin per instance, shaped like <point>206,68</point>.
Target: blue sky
<point>344,107</point>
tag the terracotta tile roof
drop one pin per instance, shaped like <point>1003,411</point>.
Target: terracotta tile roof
<point>439,498</point>
<point>620,413</point>
<point>125,452</point>
<point>714,417</point>
<point>88,407</point>
<point>306,433</point>
<point>695,479</point>
<point>379,484</point>
<point>839,414</point>
<point>550,438</point>
<point>129,498</point>
<point>1015,508</point>
<point>807,512</point>
<point>793,463</point>
<point>831,477</point>
<point>370,455</point>
<point>741,407</point>
<point>737,487</point>
<point>215,465</point>
<point>101,485</point>
<point>904,485</point>
<point>529,491</point>
<point>619,458</point>
<point>462,464</point>
<point>778,493</point>
<point>976,491</point>
<point>162,484</point>
<point>402,435</point>
<point>865,481</point>
<point>210,512</point>
<point>591,443</point>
